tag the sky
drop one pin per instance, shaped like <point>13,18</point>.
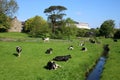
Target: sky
<point>93,12</point>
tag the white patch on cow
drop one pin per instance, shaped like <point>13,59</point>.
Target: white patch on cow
<point>46,39</point>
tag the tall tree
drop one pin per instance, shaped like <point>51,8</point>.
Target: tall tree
<point>107,28</point>
<point>7,10</point>
<point>55,14</point>
<point>8,7</point>
<point>4,22</point>
<point>68,29</point>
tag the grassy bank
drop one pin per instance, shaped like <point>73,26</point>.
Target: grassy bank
<point>112,69</point>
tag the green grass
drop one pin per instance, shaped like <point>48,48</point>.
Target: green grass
<point>13,35</point>
<point>30,65</point>
<point>16,36</point>
<point>112,69</point>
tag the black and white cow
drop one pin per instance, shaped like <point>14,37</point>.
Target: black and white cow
<point>84,49</point>
<point>62,58</point>
<point>82,44</point>
<point>49,51</point>
<point>46,39</point>
<point>52,65</point>
<point>70,47</point>
<point>18,49</point>
<point>92,41</point>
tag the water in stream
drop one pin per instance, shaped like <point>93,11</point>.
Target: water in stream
<point>96,73</point>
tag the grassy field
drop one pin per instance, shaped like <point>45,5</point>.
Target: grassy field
<point>13,35</point>
<point>112,69</point>
<point>30,65</point>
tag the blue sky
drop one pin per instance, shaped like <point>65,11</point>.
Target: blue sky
<point>93,12</point>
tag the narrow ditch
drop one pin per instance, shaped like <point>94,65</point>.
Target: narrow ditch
<point>96,73</point>
<point>98,68</point>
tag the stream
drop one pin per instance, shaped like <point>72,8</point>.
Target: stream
<point>96,73</point>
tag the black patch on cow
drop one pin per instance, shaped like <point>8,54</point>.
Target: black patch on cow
<point>84,49</point>
<point>62,58</point>
<point>50,65</point>
<point>18,49</point>
<point>49,51</point>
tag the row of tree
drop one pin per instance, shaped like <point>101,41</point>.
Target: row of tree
<point>55,26</point>
<point>38,27</point>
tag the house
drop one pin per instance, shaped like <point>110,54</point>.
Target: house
<point>16,25</point>
<point>82,25</point>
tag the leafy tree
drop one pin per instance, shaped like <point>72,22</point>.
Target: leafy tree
<point>5,22</point>
<point>95,32</point>
<point>8,7</point>
<point>107,28</point>
<point>55,15</point>
<point>81,32</point>
<point>68,29</point>
<point>117,34</point>
<point>70,32</point>
<point>37,27</point>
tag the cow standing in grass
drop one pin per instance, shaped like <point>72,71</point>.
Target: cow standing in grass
<point>18,49</point>
<point>46,39</point>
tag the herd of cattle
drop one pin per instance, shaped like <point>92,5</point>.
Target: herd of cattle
<point>51,64</point>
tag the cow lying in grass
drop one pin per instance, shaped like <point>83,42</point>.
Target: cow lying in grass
<point>115,40</point>
<point>70,48</point>
<point>62,58</point>
<point>84,49</point>
<point>92,41</point>
<point>49,51</point>
<point>52,65</point>
<point>81,44</point>
<point>18,49</point>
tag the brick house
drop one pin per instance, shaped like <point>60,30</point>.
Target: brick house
<point>16,25</point>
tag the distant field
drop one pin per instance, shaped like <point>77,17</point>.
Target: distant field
<point>30,66</point>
